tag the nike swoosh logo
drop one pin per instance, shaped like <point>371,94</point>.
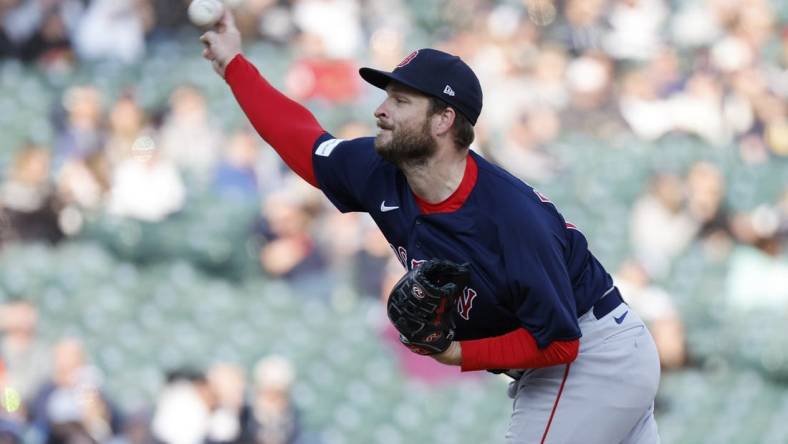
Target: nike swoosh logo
<point>620,319</point>
<point>384,208</point>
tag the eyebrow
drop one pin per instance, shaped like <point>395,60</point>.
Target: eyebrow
<point>398,88</point>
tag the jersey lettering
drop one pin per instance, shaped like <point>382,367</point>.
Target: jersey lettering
<point>416,263</point>
<point>465,302</point>
<point>402,255</point>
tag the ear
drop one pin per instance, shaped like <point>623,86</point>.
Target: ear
<point>443,121</point>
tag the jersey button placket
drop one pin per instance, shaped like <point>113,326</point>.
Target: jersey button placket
<point>416,233</point>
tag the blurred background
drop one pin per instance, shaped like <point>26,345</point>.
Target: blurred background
<point>164,278</point>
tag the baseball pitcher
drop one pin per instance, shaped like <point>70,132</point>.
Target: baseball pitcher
<point>496,278</point>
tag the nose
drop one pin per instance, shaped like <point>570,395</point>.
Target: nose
<point>380,112</point>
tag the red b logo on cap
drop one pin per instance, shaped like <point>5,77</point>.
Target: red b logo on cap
<point>407,59</point>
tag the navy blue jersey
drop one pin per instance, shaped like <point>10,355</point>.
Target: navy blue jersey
<point>529,268</point>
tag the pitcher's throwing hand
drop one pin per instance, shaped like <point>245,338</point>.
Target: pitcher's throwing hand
<point>222,43</point>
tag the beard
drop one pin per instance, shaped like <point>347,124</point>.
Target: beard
<point>407,146</point>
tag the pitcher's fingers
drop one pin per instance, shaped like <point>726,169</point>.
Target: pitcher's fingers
<point>227,20</point>
<point>208,38</point>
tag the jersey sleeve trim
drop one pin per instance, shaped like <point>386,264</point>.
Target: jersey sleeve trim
<point>515,350</point>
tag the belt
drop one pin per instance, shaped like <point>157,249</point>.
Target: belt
<point>607,303</point>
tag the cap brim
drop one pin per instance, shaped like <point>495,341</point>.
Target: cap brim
<point>381,79</point>
<point>376,77</point>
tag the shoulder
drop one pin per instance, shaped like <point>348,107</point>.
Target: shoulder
<point>350,171</point>
<point>355,157</point>
<point>507,194</point>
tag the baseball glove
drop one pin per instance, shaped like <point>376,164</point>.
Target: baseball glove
<point>422,305</point>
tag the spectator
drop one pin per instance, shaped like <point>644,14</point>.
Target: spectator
<point>583,27</point>
<point>548,78</point>
<point>28,206</point>
<point>636,27</point>
<point>113,30</point>
<point>664,72</point>
<point>661,225</point>
<point>136,429</point>
<point>183,409</point>
<point>270,19</point>
<point>275,418</point>
<point>146,186</point>
<point>26,357</point>
<point>40,29</point>
<point>331,35</point>
<point>289,250</point>
<point>386,44</point>
<point>758,276</point>
<point>340,238</point>
<point>698,24</point>
<point>72,406</point>
<point>236,176</point>
<point>657,309</point>
<point>82,185</point>
<point>187,137</point>
<point>127,123</point>
<point>697,110</point>
<point>50,46</point>
<point>525,147</point>
<point>319,78</point>
<point>232,412</point>
<point>334,24</point>
<point>592,109</point>
<point>782,211</point>
<point>169,16</point>
<point>371,261</point>
<point>647,115</point>
<point>10,432</point>
<point>81,134</point>
<point>705,193</point>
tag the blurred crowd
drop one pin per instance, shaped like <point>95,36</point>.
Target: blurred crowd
<point>712,70</point>
<point>715,69</point>
<point>53,393</point>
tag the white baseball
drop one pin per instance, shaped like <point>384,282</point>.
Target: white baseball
<point>205,13</point>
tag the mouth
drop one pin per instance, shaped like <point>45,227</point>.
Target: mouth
<point>383,132</point>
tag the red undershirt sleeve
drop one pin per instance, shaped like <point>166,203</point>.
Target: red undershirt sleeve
<point>517,349</point>
<point>287,126</point>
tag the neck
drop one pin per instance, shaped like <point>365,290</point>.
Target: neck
<point>436,178</point>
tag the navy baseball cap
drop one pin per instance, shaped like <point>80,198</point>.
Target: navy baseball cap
<point>436,74</point>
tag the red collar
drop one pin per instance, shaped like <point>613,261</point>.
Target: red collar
<point>458,197</point>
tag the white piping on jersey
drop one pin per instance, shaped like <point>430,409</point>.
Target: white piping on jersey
<point>608,291</point>
<point>325,148</point>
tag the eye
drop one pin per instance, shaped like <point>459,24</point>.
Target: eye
<point>400,100</point>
